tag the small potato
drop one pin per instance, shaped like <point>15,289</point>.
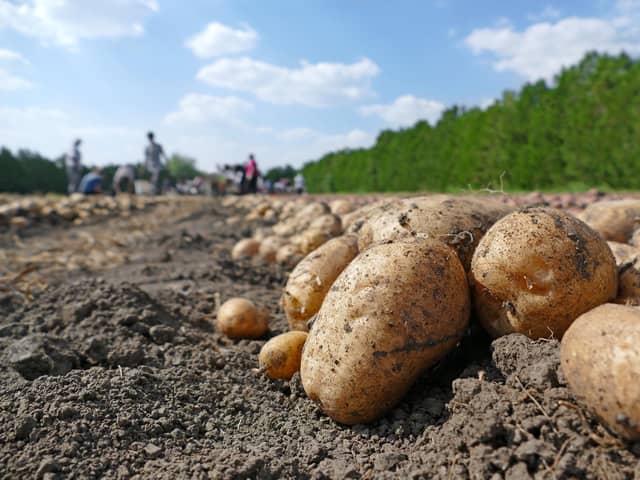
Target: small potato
<point>600,355</point>
<point>247,247</point>
<point>628,263</point>
<point>280,356</point>
<point>311,279</point>
<point>328,223</point>
<point>289,255</point>
<point>397,309</point>
<point>615,220</point>
<point>536,270</point>
<point>341,206</point>
<point>312,239</point>
<point>269,248</point>
<point>239,318</point>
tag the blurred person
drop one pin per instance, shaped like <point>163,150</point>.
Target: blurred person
<point>298,183</point>
<point>124,180</point>
<point>153,154</point>
<point>251,174</point>
<point>73,164</point>
<point>91,183</point>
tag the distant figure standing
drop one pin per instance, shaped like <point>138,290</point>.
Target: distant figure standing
<point>251,174</point>
<point>298,183</point>
<point>153,155</point>
<point>73,163</point>
<point>91,183</point>
<point>124,180</point>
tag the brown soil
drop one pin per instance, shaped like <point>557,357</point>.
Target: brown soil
<point>118,373</point>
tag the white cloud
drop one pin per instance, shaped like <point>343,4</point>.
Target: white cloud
<point>218,39</point>
<point>10,55</point>
<point>542,49</point>
<point>199,108</point>
<point>10,82</point>
<point>65,22</point>
<point>406,110</point>
<point>547,13</point>
<point>316,84</point>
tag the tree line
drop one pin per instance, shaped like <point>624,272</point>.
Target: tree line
<point>580,131</point>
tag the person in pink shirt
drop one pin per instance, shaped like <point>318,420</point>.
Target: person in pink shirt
<point>251,174</point>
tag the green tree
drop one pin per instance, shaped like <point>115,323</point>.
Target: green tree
<point>181,167</point>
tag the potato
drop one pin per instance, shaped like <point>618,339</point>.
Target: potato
<point>280,356</point>
<point>239,318</point>
<point>247,247</point>
<point>600,355</point>
<point>341,206</point>
<point>312,239</point>
<point>536,270</point>
<point>328,223</point>
<point>311,279</point>
<point>269,248</point>
<point>458,222</point>
<point>615,220</point>
<point>289,255</point>
<point>628,263</point>
<point>396,310</point>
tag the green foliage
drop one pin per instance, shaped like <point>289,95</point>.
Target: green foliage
<point>29,172</point>
<point>275,174</point>
<point>181,167</point>
<point>581,131</point>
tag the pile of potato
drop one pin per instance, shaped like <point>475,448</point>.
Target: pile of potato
<point>77,209</point>
<point>392,291</point>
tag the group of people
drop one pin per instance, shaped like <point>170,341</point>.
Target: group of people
<point>124,177</point>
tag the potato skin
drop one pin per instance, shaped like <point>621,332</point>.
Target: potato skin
<point>247,247</point>
<point>396,310</point>
<point>239,318</point>
<point>615,220</point>
<point>628,263</point>
<point>535,271</point>
<point>600,355</point>
<point>280,356</point>
<point>312,278</point>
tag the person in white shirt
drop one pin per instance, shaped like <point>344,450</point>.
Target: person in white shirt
<point>73,163</point>
<point>124,180</point>
<point>298,183</point>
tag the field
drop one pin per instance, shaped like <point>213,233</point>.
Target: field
<point>111,368</point>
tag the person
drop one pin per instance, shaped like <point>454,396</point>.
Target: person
<point>298,183</point>
<point>153,163</point>
<point>73,161</point>
<point>91,183</point>
<point>251,174</point>
<point>124,180</point>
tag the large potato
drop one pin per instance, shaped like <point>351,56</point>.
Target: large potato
<point>458,222</point>
<point>535,271</point>
<point>396,310</point>
<point>600,356</point>
<point>615,220</point>
<point>311,279</point>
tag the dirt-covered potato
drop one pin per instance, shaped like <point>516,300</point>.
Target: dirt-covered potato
<point>536,270</point>
<point>311,279</point>
<point>615,220</point>
<point>239,318</point>
<point>341,206</point>
<point>328,223</point>
<point>458,222</point>
<point>269,248</point>
<point>628,263</point>
<point>280,356</point>
<point>600,356</point>
<point>289,255</point>
<point>396,310</point>
<point>247,247</point>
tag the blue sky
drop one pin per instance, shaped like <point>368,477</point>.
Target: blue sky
<point>288,80</point>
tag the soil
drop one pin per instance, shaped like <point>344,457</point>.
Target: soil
<point>119,373</point>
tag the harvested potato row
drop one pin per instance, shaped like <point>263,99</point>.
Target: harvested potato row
<point>396,310</point>
<point>628,263</point>
<point>458,221</point>
<point>615,220</point>
<point>280,356</point>
<point>536,270</point>
<point>311,279</point>
<point>600,355</point>
<point>239,318</point>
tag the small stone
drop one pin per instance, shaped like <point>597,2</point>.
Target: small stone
<point>161,334</point>
<point>24,426</point>
<point>152,451</point>
<point>48,465</point>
